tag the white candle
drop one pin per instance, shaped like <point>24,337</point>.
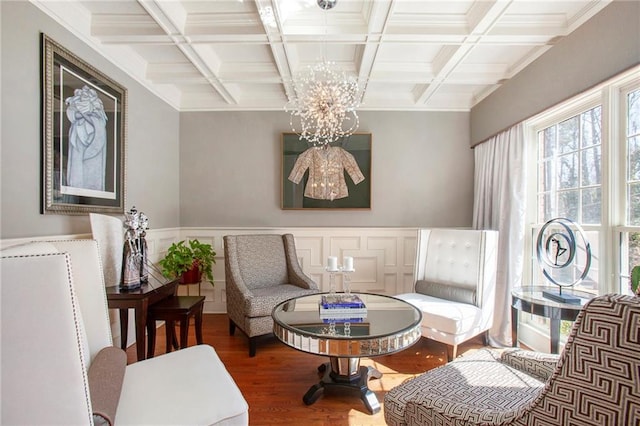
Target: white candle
<point>332,263</point>
<point>348,263</point>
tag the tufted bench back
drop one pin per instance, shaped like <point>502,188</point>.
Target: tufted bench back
<point>450,264</point>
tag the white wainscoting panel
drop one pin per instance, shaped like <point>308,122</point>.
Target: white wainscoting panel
<point>383,258</point>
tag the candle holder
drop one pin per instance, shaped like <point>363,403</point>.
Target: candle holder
<point>346,281</point>
<point>346,278</point>
<point>332,279</point>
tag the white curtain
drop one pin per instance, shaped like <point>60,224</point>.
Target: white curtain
<point>499,203</point>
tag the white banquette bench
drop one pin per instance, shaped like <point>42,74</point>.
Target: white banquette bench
<point>454,284</point>
<point>59,365</point>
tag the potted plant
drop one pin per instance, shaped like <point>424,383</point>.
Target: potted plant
<point>635,280</point>
<point>189,261</point>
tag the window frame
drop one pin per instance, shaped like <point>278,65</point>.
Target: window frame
<point>612,96</point>
<point>558,114</point>
<point>623,88</point>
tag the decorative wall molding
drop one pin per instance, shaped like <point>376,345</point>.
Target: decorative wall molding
<point>383,257</point>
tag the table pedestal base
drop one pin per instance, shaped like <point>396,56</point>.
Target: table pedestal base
<point>346,373</point>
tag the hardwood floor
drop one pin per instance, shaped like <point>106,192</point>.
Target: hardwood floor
<point>274,381</point>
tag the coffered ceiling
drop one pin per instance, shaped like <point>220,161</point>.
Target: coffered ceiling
<point>220,55</point>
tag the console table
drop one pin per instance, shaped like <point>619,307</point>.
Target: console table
<point>390,325</point>
<point>139,300</point>
<point>530,300</point>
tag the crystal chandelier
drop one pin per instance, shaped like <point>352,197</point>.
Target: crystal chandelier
<point>323,107</point>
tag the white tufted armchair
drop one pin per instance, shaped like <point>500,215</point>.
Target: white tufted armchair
<point>454,276</point>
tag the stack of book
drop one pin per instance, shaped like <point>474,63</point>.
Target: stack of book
<point>342,307</point>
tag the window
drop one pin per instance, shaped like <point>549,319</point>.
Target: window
<point>633,156</point>
<point>629,234</point>
<point>570,168</point>
<point>584,164</point>
<point>569,183</point>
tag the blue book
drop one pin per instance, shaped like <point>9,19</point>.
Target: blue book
<point>341,301</point>
<point>343,320</point>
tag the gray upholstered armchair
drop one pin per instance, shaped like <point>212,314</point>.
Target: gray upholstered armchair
<point>261,271</point>
<point>595,381</point>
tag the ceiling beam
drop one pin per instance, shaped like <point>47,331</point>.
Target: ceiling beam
<point>481,18</point>
<point>379,16</point>
<point>271,18</point>
<point>173,24</point>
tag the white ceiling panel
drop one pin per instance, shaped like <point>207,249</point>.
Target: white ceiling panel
<point>241,54</point>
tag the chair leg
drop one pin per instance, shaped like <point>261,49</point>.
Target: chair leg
<point>252,346</point>
<point>485,338</point>
<point>452,352</point>
<point>232,327</point>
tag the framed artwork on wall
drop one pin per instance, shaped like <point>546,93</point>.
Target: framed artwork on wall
<point>84,127</point>
<point>337,176</point>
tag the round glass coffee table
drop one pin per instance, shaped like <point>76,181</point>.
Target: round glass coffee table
<point>389,325</point>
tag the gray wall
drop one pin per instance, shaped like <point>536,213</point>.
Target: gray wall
<point>230,171</point>
<point>606,45</point>
<point>226,169</point>
<point>152,172</point>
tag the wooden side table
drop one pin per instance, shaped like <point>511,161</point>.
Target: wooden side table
<point>138,300</point>
<point>530,300</point>
<point>171,309</point>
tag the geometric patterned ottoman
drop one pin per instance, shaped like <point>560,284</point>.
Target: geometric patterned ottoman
<point>478,388</point>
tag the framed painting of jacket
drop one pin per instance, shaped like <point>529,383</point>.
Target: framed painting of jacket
<point>336,176</point>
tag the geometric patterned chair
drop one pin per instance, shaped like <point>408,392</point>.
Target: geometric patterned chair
<point>261,271</point>
<point>595,381</point>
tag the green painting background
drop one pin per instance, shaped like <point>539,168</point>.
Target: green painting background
<point>358,145</point>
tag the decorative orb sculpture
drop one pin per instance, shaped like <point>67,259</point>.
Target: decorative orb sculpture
<point>558,243</point>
